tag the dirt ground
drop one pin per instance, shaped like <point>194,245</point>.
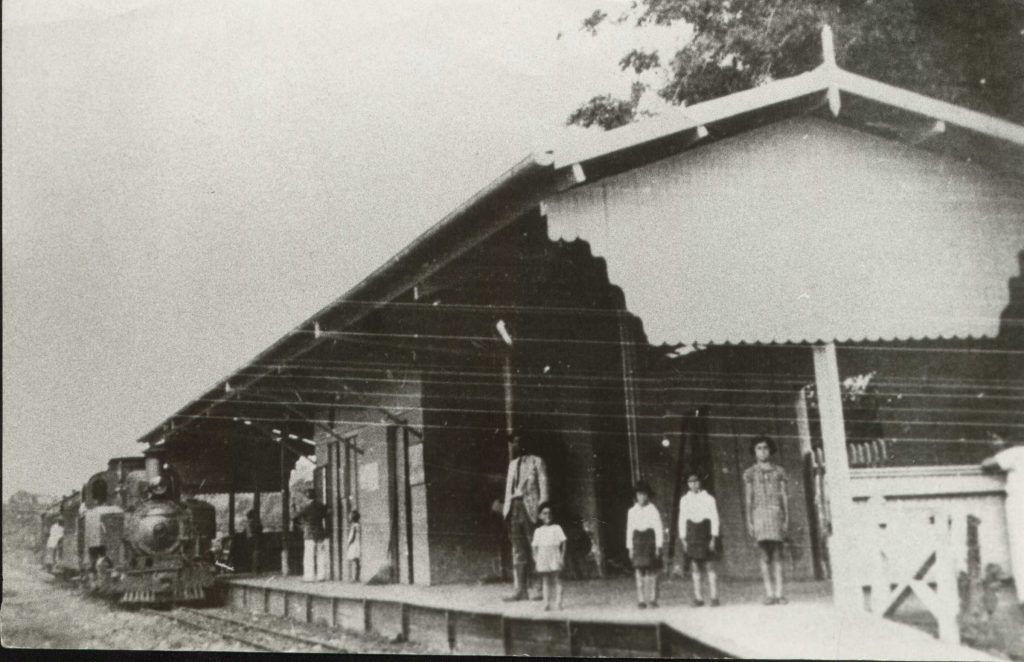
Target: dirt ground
<point>40,612</point>
<point>1000,635</point>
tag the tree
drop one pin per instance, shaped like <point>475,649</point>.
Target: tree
<point>968,52</point>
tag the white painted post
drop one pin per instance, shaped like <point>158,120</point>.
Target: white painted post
<point>945,581</point>
<point>506,380</point>
<point>846,591</point>
<point>879,531</point>
<point>828,56</point>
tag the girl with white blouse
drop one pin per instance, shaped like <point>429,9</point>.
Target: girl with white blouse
<point>644,538</point>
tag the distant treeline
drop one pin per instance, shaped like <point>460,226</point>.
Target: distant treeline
<point>21,513</point>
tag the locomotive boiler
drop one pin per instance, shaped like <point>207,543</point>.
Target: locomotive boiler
<point>135,539</point>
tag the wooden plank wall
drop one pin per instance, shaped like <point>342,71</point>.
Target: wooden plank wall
<point>466,633</point>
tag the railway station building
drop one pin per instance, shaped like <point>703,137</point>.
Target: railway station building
<point>828,260</point>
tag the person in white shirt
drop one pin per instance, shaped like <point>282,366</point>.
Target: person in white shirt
<point>698,530</point>
<point>1011,460</point>
<point>644,538</point>
<point>53,543</point>
<point>549,556</point>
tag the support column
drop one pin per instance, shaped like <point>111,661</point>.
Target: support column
<point>628,355</point>
<point>506,376</point>
<point>231,491</point>
<point>286,515</point>
<point>255,543</point>
<point>346,504</point>
<point>337,553</point>
<point>846,592</point>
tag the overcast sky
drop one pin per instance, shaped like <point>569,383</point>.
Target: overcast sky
<point>185,181</point>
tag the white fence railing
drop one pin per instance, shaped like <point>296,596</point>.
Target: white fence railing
<point>912,524</point>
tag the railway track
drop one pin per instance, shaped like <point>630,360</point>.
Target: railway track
<point>248,634</point>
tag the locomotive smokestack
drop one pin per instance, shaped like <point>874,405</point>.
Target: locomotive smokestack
<point>154,458</point>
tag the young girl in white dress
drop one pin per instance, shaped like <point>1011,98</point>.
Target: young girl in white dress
<point>353,548</point>
<point>549,556</point>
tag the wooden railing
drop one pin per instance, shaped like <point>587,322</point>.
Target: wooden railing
<point>931,574</point>
<point>871,453</point>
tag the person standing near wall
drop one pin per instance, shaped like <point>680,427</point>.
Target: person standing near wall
<point>526,487</point>
<point>644,540</point>
<point>1011,460</point>
<point>698,530</point>
<point>53,543</point>
<point>253,535</point>
<point>549,555</point>
<point>767,500</point>
<point>311,519</point>
<point>354,547</point>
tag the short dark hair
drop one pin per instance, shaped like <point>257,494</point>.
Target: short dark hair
<point>645,487</point>
<point>354,516</point>
<point>543,505</point>
<point>311,492</point>
<point>763,438</point>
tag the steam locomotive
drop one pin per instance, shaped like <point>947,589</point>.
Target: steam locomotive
<point>129,535</point>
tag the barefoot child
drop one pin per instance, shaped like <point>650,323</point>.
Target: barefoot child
<point>767,514</point>
<point>549,556</point>
<point>644,537</point>
<point>698,529</point>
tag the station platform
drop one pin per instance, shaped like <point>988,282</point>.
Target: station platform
<point>600,618</point>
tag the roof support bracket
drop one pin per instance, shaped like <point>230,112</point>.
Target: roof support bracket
<point>570,177</point>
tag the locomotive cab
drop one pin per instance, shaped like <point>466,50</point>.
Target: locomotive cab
<point>102,524</point>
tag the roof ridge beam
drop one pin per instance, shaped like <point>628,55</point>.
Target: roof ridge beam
<point>929,107</point>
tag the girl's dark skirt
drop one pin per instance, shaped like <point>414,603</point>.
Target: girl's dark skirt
<point>645,551</point>
<point>698,540</point>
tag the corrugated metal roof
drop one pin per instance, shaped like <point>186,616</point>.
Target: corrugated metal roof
<point>533,180</point>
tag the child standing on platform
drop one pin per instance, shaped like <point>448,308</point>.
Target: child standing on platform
<point>698,528</point>
<point>767,514</point>
<point>353,548</point>
<point>549,556</point>
<point>644,537</point>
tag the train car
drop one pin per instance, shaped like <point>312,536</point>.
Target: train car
<point>129,535</point>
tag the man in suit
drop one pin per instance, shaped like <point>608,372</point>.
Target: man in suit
<point>526,487</point>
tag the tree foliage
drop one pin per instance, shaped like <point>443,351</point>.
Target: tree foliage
<point>968,52</point>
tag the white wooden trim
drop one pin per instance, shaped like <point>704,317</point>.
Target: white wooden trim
<point>939,110</point>
<point>845,588</point>
<point>592,144</point>
<point>896,482</point>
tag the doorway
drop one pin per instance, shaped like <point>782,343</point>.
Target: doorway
<point>693,456</point>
